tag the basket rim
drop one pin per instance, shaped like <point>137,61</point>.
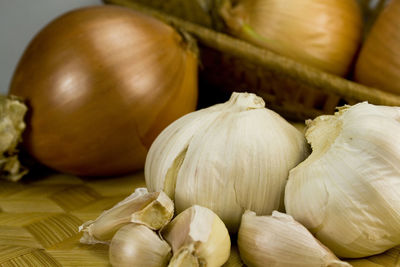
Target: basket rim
<point>311,76</point>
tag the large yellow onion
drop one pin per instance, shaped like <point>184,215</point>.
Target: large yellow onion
<point>323,34</point>
<point>379,62</point>
<point>101,83</point>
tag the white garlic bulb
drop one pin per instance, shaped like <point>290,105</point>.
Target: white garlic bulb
<point>280,241</point>
<point>229,157</point>
<point>348,191</point>
<point>137,245</point>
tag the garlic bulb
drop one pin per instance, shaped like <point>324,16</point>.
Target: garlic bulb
<point>198,237</point>
<point>154,210</point>
<point>279,240</point>
<point>323,34</point>
<point>229,157</point>
<point>137,245</point>
<point>348,191</point>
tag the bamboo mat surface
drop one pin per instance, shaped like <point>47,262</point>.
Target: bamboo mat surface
<point>40,216</point>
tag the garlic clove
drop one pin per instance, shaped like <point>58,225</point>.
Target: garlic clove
<point>154,210</point>
<point>185,258</point>
<point>198,237</point>
<point>137,245</point>
<point>248,149</point>
<point>157,214</point>
<point>347,192</point>
<point>169,149</point>
<point>278,240</point>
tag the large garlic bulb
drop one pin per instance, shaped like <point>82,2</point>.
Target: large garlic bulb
<point>348,191</point>
<point>229,157</point>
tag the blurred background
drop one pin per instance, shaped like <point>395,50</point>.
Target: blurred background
<point>20,20</point>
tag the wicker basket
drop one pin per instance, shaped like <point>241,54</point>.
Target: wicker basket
<point>294,90</point>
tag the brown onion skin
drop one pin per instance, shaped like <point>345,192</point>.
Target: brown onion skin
<point>101,83</point>
<point>378,64</point>
<point>322,34</point>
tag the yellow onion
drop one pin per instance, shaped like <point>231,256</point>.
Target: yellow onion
<point>378,64</point>
<point>323,34</point>
<point>101,83</point>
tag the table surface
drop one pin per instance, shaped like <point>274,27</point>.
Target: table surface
<point>40,216</point>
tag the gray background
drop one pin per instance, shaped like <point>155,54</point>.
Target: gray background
<point>20,20</point>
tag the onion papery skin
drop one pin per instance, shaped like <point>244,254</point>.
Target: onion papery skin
<point>378,64</point>
<point>322,34</point>
<point>101,83</point>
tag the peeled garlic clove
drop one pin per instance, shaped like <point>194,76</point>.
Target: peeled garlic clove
<point>137,245</point>
<point>154,210</point>
<point>279,240</point>
<point>347,193</point>
<point>198,237</point>
<point>215,156</point>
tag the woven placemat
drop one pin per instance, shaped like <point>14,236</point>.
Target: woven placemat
<point>40,215</point>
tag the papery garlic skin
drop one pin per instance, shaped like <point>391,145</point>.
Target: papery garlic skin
<point>154,210</point>
<point>348,191</point>
<point>198,237</point>
<point>137,245</point>
<point>229,157</point>
<point>12,125</point>
<point>280,241</point>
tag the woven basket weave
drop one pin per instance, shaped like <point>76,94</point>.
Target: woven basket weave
<point>40,216</point>
<point>294,90</point>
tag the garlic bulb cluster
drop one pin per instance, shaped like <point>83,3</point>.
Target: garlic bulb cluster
<point>347,193</point>
<point>280,241</point>
<point>323,34</point>
<point>137,245</point>
<point>229,157</point>
<point>198,237</point>
<point>154,210</point>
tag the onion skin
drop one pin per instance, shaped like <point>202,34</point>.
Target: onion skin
<point>378,64</point>
<point>102,82</point>
<point>322,34</point>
